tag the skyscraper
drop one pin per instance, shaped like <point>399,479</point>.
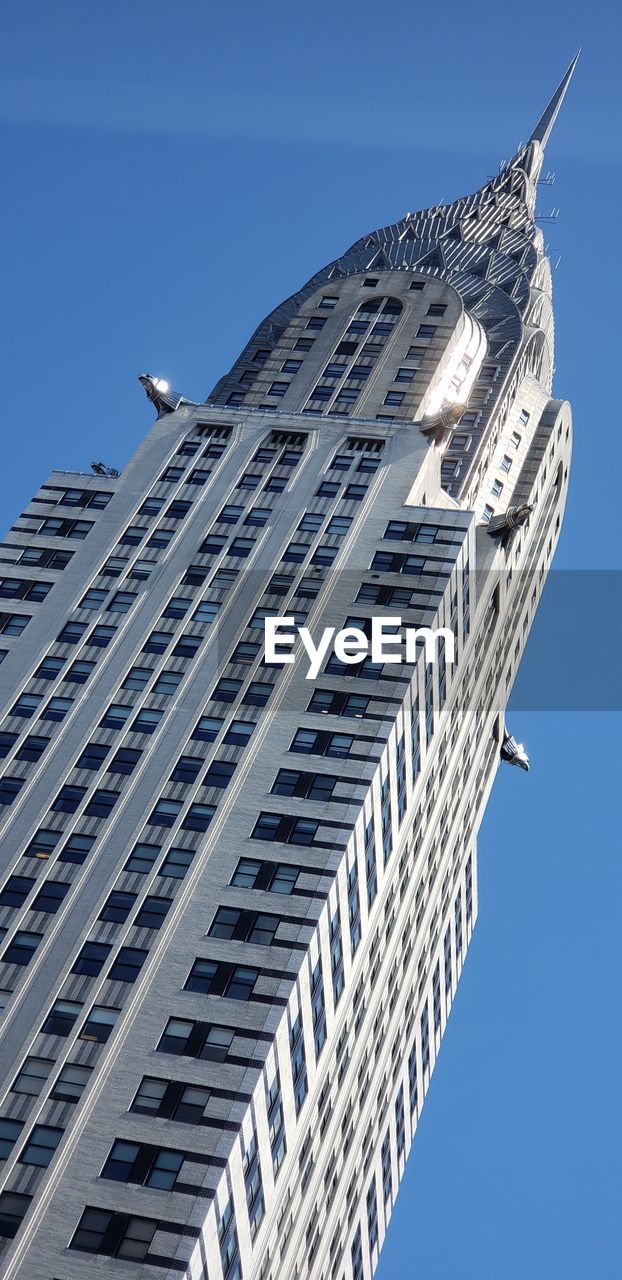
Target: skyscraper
<point>235,902</point>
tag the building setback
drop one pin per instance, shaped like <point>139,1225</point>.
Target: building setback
<point>235,903</point>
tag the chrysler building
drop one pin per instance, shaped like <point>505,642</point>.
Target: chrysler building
<point>235,903</point>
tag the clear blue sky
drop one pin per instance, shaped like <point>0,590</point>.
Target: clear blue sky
<point>172,172</point>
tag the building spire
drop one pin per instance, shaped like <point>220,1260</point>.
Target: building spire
<point>544,127</point>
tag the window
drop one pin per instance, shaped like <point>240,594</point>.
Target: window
<point>506,463</point>
<point>24,589</point>
<point>10,789</point>
<point>40,558</point>
<point>274,877</point>
<point>22,948</point>
<point>127,1163</point>
<point>244,926</point>
<point>426,330</point>
<point>393,397</point>
<point>50,896</point>
<point>198,817</point>
<point>117,907</point>
<point>177,510</point>
<point>303,344</point>
<point>151,507</point>
<point>523,417</point>
<point>355,492</point>
<point>172,475</point>
<point>137,678</point>
<point>165,813</point>
<point>49,668</point>
<point>241,547</point>
<point>99,1024</point>
<point>176,863</point>
<point>140,569</point>
<point>71,1083</point>
<point>7,741</point>
<point>68,799</point>
<point>296,551</point>
<point>33,1076</point>
<point>161,538</point>
<point>291,366</point>
<point>101,636</point>
<point>10,1131</point>
<point>94,599</point>
<point>316,322</point>
<point>133,535</point>
<point>54,527</point>
<point>43,844</point>
<point>33,748</point>
<point>76,849</point>
<point>13,624</point>
<point>211,546</point>
<point>257,693</point>
<point>79,672</point>
<point>239,732</point>
<point>187,769</point>
<point>313,786</point>
<point>61,1018</point>
<point>25,706</point>
<point>278,388</point>
<point>116,716</point>
<point>198,476</point>
<point>91,959</point>
<point>196,574</point>
<point>274,826</point>
<point>150,1096</point>
<point>13,1210</point>
<point>71,633</point>
<point>39,1150</point>
<point>153,912</point>
<point>309,588</point>
<point>497,488</point>
<point>124,761</point>
<point>205,612</point>
<point>92,757</point>
<point>327,490</point>
<point>436,309</point>
<point>142,858</point>
<point>123,600</point>
<point>226,691</point>
<point>115,1235</point>
<point>324,555</point>
<point>101,804</point>
<point>208,728</point>
<point>241,983</point>
<point>224,579</point>
<point>219,774</point>
<point>246,651</point>
<point>515,439</point>
<point>158,641</point>
<point>311,522</point>
<point>128,963</point>
<point>201,976</point>
<point>177,607</point>
<point>339,525</point>
<point>16,891</point>
<point>114,566</point>
<point>404,375</point>
<point>249,480</point>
